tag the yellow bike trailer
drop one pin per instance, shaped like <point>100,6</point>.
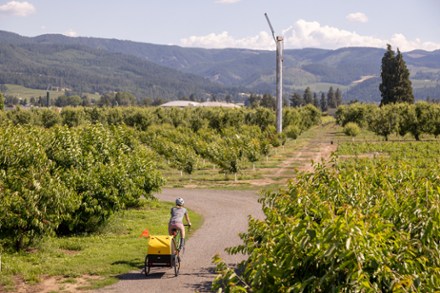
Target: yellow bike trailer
<point>161,253</point>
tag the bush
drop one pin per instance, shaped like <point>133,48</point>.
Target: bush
<point>351,129</point>
<point>292,131</point>
<point>68,180</point>
<point>34,197</point>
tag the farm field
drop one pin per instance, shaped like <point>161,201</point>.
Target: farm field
<point>85,262</point>
<point>369,222</point>
<point>368,194</point>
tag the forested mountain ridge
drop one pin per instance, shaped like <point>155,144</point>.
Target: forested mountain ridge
<point>355,70</point>
<point>81,68</point>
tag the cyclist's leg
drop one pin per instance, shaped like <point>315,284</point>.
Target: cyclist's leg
<point>182,234</point>
<point>181,228</point>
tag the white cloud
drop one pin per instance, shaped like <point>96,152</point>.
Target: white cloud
<point>357,17</point>
<point>224,40</point>
<point>401,42</point>
<point>227,1</point>
<point>17,8</point>
<point>313,34</point>
<point>71,33</point>
<point>307,34</point>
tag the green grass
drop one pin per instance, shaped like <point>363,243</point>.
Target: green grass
<point>115,250</point>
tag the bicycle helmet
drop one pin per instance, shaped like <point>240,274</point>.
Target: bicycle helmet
<point>179,201</point>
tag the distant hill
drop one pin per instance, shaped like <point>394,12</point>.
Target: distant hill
<point>37,64</point>
<point>172,71</point>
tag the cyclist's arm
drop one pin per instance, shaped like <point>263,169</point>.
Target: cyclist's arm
<point>187,219</point>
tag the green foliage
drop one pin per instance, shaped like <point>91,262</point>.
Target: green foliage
<point>227,279</point>
<point>396,86</point>
<point>400,118</point>
<point>49,117</point>
<point>292,131</point>
<point>19,116</point>
<point>117,249</point>
<point>69,179</point>
<point>138,118</point>
<point>262,117</point>
<point>34,197</point>
<point>72,116</point>
<point>351,129</point>
<point>3,118</point>
<point>2,102</point>
<point>310,116</point>
<point>384,120</point>
<point>356,113</point>
<point>86,69</point>
<point>308,96</point>
<point>365,226</point>
<point>71,100</point>
<point>408,121</point>
<point>84,164</point>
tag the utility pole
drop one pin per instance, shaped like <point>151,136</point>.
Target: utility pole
<point>279,41</point>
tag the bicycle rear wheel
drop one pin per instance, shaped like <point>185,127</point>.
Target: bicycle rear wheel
<point>176,262</point>
<point>147,267</point>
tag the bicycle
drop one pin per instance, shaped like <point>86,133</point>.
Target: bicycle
<point>164,251</point>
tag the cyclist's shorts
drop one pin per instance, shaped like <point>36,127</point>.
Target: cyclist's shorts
<point>179,226</point>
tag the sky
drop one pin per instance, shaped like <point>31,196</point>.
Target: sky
<point>325,24</point>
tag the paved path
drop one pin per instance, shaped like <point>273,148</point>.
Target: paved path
<point>225,216</point>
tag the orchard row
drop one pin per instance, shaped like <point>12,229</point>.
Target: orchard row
<point>370,223</point>
<point>68,172</point>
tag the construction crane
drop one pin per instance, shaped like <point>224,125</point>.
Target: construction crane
<point>279,41</point>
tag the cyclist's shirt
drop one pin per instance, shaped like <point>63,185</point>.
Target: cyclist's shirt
<point>177,215</point>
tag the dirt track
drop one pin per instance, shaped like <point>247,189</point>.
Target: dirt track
<point>225,216</point>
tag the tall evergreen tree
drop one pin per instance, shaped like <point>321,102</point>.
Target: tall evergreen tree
<point>316,100</point>
<point>323,103</point>
<point>338,97</point>
<point>308,96</point>
<point>296,100</point>
<point>387,75</point>
<point>396,86</point>
<point>403,91</point>
<point>253,101</point>
<point>331,98</point>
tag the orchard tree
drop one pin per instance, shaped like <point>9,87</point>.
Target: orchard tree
<point>125,99</point>
<point>396,86</point>
<point>2,102</point>
<point>268,102</point>
<point>384,121</point>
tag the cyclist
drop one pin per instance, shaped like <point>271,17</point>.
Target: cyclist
<point>176,220</point>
